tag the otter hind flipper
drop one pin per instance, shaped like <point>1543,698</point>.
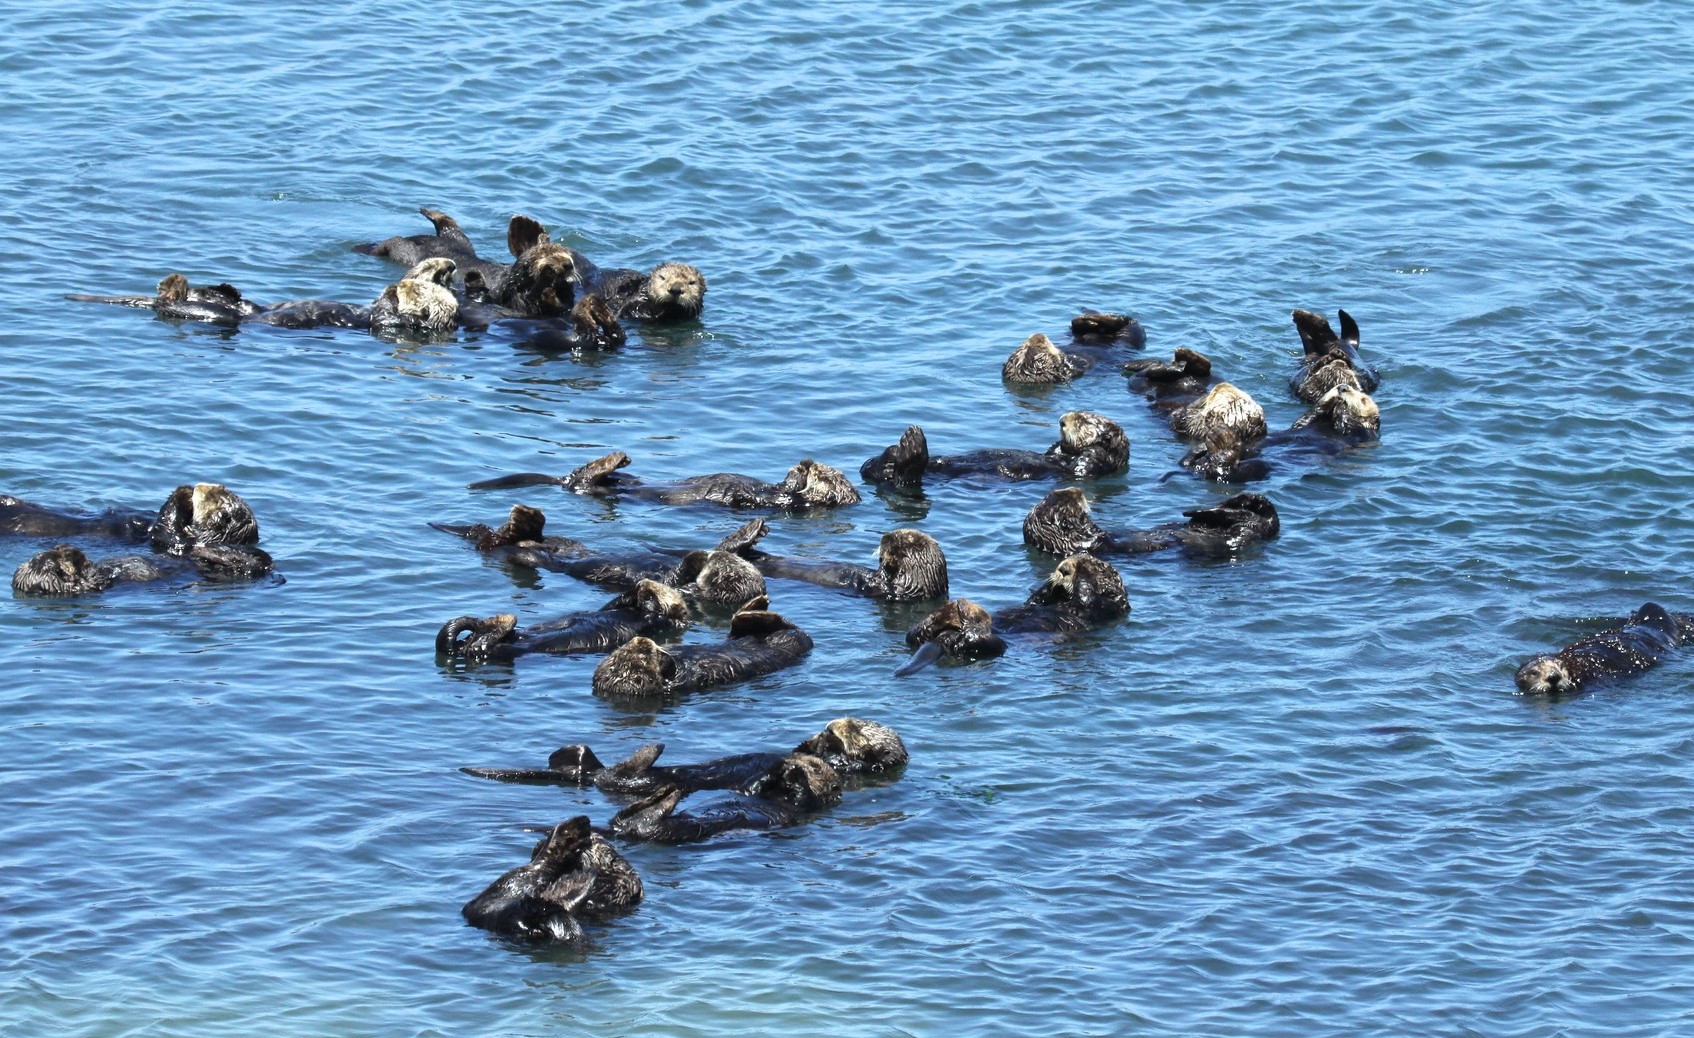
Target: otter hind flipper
<point>597,472</point>
<point>745,537</point>
<point>523,234</point>
<point>756,623</point>
<point>639,762</point>
<point>927,654</point>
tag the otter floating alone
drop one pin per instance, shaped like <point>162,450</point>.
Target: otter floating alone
<point>807,485</point>
<point>1631,648</point>
<point>572,875</point>
<point>1089,446</point>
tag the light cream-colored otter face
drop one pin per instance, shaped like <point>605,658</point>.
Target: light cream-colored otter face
<point>1079,430</point>
<point>820,486</point>
<point>425,305</point>
<point>1060,523</point>
<point>1037,360</point>
<point>872,746</point>
<point>661,600</point>
<point>1350,410</point>
<point>726,577</point>
<point>677,287</point>
<point>437,270</point>
<point>1089,582</point>
<point>173,289</point>
<point>1545,676</point>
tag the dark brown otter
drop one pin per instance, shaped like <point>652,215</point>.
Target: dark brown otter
<point>572,875</point>
<point>1344,418</point>
<point>449,241</point>
<point>1631,648</point>
<point>177,300</point>
<point>64,569</point>
<point>1081,594</point>
<point>1327,359</point>
<point>670,292</point>
<point>649,609</point>
<point>856,749</point>
<point>791,790</point>
<point>591,326</point>
<point>1038,362</point>
<point>759,642</point>
<point>1089,446</point>
<point>1098,329</point>
<point>808,485</point>
<point>1061,525</point>
<point>26,519</point>
<point>205,514</point>
<point>910,568</point>
<point>1168,385</point>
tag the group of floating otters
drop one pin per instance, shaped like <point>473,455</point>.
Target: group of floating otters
<point>555,295</point>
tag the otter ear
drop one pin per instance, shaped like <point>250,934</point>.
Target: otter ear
<point>523,234</point>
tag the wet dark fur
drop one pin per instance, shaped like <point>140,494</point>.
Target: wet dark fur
<point>1344,418</point>
<point>1037,361</point>
<point>64,569</point>
<point>177,300</point>
<point>1183,379</point>
<point>1325,356</point>
<point>1089,446</point>
<point>205,514</point>
<point>1100,329</point>
<point>1061,524</point>
<point>759,642</point>
<point>1633,647</point>
<point>26,519</point>
<point>648,610</point>
<point>572,875</point>
<point>807,485</point>
<point>855,748</point>
<point>795,787</point>
<point>910,568</point>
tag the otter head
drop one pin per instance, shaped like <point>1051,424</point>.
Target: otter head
<point>638,668</point>
<point>1037,360</point>
<point>424,306</point>
<point>173,289</point>
<point>203,514</point>
<point>1348,411</point>
<point>910,566</point>
<point>1325,372</point>
<point>676,291</point>
<point>814,485</point>
<point>659,600</point>
<point>1546,676</point>
<point>1085,583</point>
<point>1223,405</point>
<point>1222,457</point>
<point>437,271</point>
<point>961,629</point>
<point>60,570</point>
<point>852,745</point>
<point>901,465</point>
<point>1060,524</point>
<point>595,325</point>
<point>542,281</point>
<point>802,780</point>
<point>476,639</point>
<point>1084,432</point>
<point>720,577</point>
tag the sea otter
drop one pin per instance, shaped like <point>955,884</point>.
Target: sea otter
<point>1327,358</point>
<point>910,568</point>
<point>1038,362</point>
<point>64,569</point>
<point>855,748</point>
<point>649,609</point>
<point>1081,594</point>
<point>1089,446</point>
<point>797,786</point>
<point>205,514</point>
<point>449,241</point>
<point>591,326</point>
<point>1344,418</point>
<point>759,642</point>
<point>807,485</point>
<point>1061,525</point>
<point>1623,651</point>
<point>1186,378</point>
<point>177,300</point>
<point>572,875</point>
<point>421,303</point>
<point>670,292</point>
<point>1223,407</point>
<point>1097,329</point>
<point>26,519</point>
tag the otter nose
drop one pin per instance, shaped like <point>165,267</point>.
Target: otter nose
<point>676,290</point>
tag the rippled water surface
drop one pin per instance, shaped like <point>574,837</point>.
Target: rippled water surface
<point>1293,794</point>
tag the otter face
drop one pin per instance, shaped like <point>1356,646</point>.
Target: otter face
<point>425,306</point>
<point>638,668</point>
<point>676,290</point>
<point>1350,411</point>
<point>173,289</point>
<point>1223,405</point>
<point>661,600</point>
<point>804,780</point>
<point>1060,524</point>
<point>1087,582</point>
<point>721,577</point>
<point>437,271</point>
<point>858,746</point>
<point>60,570</point>
<point>819,486</point>
<point>1546,676</point>
<point>1038,361</point>
<point>203,514</point>
<point>962,629</point>
<point>912,566</point>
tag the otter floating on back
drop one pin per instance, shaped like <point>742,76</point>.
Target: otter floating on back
<point>1061,525</point>
<point>808,484</point>
<point>910,568</point>
<point>649,610</point>
<point>1631,648</point>
<point>759,642</point>
<point>1344,418</point>
<point>1328,360</point>
<point>1090,445</point>
<point>791,790</point>
<point>572,875</point>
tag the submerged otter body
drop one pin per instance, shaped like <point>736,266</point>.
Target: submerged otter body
<point>910,568</point>
<point>177,300</point>
<point>649,610</point>
<point>1327,359</point>
<point>1169,385</point>
<point>64,570</point>
<point>26,519</point>
<point>795,787</point>
<point>572,875</point>
<point>1344,418</point>
<point>1081,594</point>
<point>1061,525</point>
<point>1089,446</point>
<point>807,485</point>
<point>854,748</point>
<point>759,642</point>
<point>1631,648</point>
<point>591,326</point>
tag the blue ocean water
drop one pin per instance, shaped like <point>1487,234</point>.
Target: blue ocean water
<point>1293,794</point>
